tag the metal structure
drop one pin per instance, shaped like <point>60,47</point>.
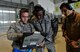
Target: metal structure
<point>72,1</point>
<point>12,4</point>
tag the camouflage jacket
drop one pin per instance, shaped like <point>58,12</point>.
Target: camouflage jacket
<point>16,31</point>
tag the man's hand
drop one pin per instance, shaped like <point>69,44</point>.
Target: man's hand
<point>66,40</point>
<point>42,44</point>
<point>74,44</point>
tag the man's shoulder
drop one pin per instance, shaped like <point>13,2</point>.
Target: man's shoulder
<point>15,24</point>
<point>77,17</point>
<point>33,18</point>
<point>47,17</point>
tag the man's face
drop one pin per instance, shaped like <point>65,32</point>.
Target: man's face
<point>64,11</point>
<point>40,13</point>
<point>24,17</point>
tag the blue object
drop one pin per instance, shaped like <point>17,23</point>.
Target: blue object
<point>18,50</point>
<point>29,50</point>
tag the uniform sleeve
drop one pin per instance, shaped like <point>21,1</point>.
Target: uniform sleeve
<point>48,30</point>
<point>64,27</point>
<point>12,34</point>
<point>48,24</point>
<point>78,19</point>
<point>33,29</point>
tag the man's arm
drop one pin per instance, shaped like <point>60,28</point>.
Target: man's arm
<point>12,34</point>
<point>32,27</point>
<point>48,30</point>
<point>64,27</point>
<point>47,24</point>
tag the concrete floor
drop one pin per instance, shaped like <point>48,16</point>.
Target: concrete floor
<point>5,45</point>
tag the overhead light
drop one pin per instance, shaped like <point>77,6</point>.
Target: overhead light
<point>4,22</point>
<point>7,22</point>
<point>6,11</point>
<point>13,21</point>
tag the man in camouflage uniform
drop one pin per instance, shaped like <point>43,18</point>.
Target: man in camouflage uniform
<point>17,29</point>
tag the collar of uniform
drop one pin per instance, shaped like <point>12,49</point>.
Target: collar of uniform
<point>23,23</point>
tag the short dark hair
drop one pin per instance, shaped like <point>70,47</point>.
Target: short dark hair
<point>22,11</point>
<point>67,5</point>
<point>38,8</point>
